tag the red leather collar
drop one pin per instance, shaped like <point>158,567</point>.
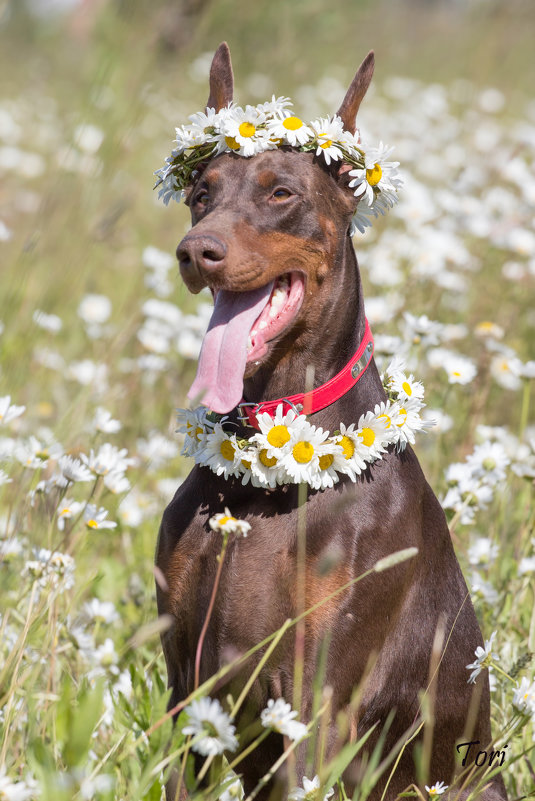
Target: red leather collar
<point>320,398</point>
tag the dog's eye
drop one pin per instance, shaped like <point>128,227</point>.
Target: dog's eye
<point>281,194</point>
<point>202,198</point>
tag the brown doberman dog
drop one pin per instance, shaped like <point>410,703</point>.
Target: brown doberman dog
<point>283,216</point>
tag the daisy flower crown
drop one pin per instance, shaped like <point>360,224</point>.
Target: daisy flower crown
<point>290,450</point>
<point>268,126</point>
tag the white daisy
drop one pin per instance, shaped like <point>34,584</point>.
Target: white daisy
<point>194,425</point>
<point>117,483</point>
<point>204,125</point>
<point>279,716</point>
<point>459,369</point>
<point>9,412</point>
<point>377,176</point>
<point>489,462</point>
<point>409,421</point>
<point>48,322</point>
<point>266,470</point>
<point>277,106</point>
<point>73,470</point>
<point>309,791</point>
<point>437,789</point>
<point>406,387</point>
<point>524,697</point>
<point>210,726</point>
<point>483,552</point>
<point>361,219</point>
<point>225,523</point>
<point>233,788</point>
<point>100,611</point>
<point>107,459</point>
<point>484,659</point>
<point>96,518</point>
<point>329,133</point>
<point>276,431</point>
<point>243,133</point>
<point>291,130</point>
<point>220,453</point>
<point>104,422</point>
<point>374,433</point>
<point>94,309</point>
<point>327,475</point>
<point>105,655</point>
<point>67,510</point>
<point>301,460</point>
<point>14,790</point>
<point>350,462</point>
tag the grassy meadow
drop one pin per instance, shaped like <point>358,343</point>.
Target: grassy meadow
<point>99,342</point>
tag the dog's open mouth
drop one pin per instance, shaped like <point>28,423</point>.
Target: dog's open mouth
<point>242,325</point>
<point>281,309</point>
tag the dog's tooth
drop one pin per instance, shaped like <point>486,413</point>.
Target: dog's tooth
<point>249,343</point>
<point>262,324</point>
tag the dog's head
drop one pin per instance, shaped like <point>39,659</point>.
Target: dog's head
<point>267,233</point>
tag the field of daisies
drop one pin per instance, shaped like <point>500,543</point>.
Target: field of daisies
<point>98,348</point>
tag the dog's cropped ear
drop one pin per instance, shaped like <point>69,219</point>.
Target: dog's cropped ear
<point>354,95</point>
<point>221,79</point>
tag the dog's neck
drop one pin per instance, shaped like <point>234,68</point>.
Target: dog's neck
<point>324,346</point>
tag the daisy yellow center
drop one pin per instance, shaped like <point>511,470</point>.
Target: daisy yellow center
<point>246,463</point>
<point>386,418</point>
<point>303,452</point>
<point>326,461</point>
<point>326,144</point>
<point>92,524</point>
<point>227,450</point>
<point>64,511</point>
<point>403,415</point>
<point>456,373</point>
<point>267,461</point>
<point>407,389</point>
<point>198,432</point>
<point>226,519</point>
<point>231,142</point>
<point>347,447</point>
<point>247,129</point>
<point>278,436</point>
<point>374,174</point>
<point>368,436</point>
<point>292,123</point>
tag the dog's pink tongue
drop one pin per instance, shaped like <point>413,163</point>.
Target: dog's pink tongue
<point>219,378</point>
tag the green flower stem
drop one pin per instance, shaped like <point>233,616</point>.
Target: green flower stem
<point>499,670</point>
<point>282,759</point>
<point>398,758</point>
<point>206,687</point>
<point>278,637</point>
<point>524,412</point>
<point>202,635</point>
<point>22,640</point>
<point>250,748</point>
<point>301,596</point>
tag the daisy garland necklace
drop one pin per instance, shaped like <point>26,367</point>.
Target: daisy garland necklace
<point>290,450</point>
<point>268,126</point>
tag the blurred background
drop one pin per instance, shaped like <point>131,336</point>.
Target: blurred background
<point>99,339</point>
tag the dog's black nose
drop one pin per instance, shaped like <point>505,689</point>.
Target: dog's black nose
<point>201,253</point>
